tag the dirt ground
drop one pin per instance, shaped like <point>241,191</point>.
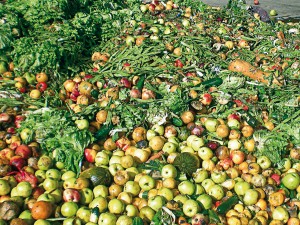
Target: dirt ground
<point>285,8</point>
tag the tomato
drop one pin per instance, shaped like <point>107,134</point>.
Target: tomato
<point>178,63</point>
<point>41,86</point>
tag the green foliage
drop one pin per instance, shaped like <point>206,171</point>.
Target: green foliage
<point>59,136</point>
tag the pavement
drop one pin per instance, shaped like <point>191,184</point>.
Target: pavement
<point>284,8</point>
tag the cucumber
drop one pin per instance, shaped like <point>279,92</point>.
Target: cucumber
<point>227,205</point>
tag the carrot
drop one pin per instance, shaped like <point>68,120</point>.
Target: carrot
<point>250,71</point>
<point>156,156</point>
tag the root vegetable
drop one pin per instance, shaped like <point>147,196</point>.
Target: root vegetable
<point>250,71</point>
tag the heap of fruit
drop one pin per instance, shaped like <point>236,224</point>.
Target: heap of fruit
<point>190,115</point>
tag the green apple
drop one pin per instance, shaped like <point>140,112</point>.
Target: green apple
<point>50,184</point>
<point>273,12</point>
<point>132,172</point>
<point>156,202</point>
<point>72,221</point>
<point>125,197</point>
<point>30,78</point>
<point>199,189</point>
<point>99,202</point>
<point>200,175</point>
<point>190,208</point>
<point>69,209</point>
<point>147,182</point>
<point>124,220</point>
<point>132,187</point>
<point>45,163</point>
<point>251,197</point>
<point>181,198</point>
<point>46,197</point>
<point>166,193</point>
<point>100,190</point>
<point>57,194</point>
<point>42,222</point>
<point>241,187</point>
<point>291,180</point>
<point>115,159</point>
<point>86,196</point>
<point>281,214</point>
<point>107,219</point>
<point>206,201</point>
<point>190,140</point>
<point>168,171</point>
<point>264,162</point>
<point>114,168</point>
<point>82,124</point>
<point>211,124</point>
<point>84,214</point>
<point>169,147</point>
<point>54,174</point>
<point>68,174</point>
<point>205,153</point>
<point>218,176</point>
<point>131,211</point>
<point>4,187</point>
<point>158,129</point>
<point>150,134</point>
<point>216,191</point>
<point>197,143</point>
<point>187,149</point>
<point>102,159</point>
<point>26,215</point>
<point>24,189</point>
<point>186,188</point>
<point>207,184</point>
<point>40,175</point>
<point>147,213</point>
<point>116,206</point>
<point>174,140</point>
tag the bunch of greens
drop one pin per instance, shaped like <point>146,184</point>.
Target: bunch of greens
<point>58,136</point>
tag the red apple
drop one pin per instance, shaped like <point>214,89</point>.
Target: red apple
<point>37,191</point>
<point>24,151</point>
<point>206,99</point>
<point>234,116</point>
<point>17,161</point>
<point>237,156</point>
<point>71,195</point>
<point>90,155</point>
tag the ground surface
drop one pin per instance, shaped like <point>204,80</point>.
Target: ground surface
<point>285,8</point>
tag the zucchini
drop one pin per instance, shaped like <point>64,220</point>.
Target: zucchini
<point>177,122</point>
<point>227,205</point>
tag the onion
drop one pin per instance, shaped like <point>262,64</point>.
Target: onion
<point>197,130</point>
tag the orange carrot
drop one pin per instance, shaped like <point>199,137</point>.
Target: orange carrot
<point>156,156</point>
<point>250,71</point>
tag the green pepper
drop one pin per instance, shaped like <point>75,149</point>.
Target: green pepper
<point>103,132</point>
<point>177,122</point>
<point>94,93</point>
<point>227,205</point>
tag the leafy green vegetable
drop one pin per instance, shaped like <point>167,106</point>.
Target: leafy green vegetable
<point>59,136</point>
<point>271,144</point>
